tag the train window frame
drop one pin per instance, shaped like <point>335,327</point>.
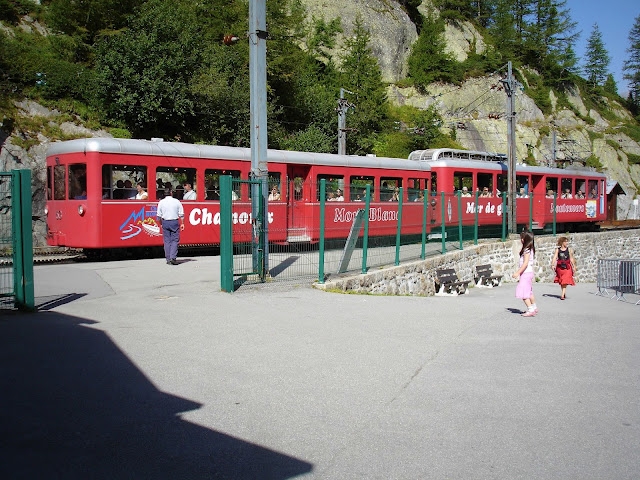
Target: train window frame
<point>566,183</point>
<point>212,184</point>
<point>591,184</point>
<point>434,183</point>
<point>551,183</point>
<point>77,184</point>
<point>176,176</point>
<point>333,183</point>
<point>414,187</point>
<point>59,182</point>
<point>523,181</point>
<point>485,180</point>
<point>126,173</point>
<point>388,186</point>
<point>358,187</point>
<point>462,179</point>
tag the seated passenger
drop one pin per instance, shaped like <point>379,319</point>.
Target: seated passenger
<point>142,192</point>
<point>189,192</point>
<point>129,191</point>
<point>395,196</point>
<point>339,196</point>
<point>567,193</point>
<point>550,193</point>
<point>522,193</point>
<point>593,193</point>
<point>275,194</point>
<point>420,197</point>
<point>579,194</point>
<point>485,193</point>
<point>118,192</point>
<point>465,192</point>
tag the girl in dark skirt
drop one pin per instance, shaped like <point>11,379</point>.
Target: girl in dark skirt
<point>564,265</point>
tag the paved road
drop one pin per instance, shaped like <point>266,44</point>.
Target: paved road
<point>139,370</point>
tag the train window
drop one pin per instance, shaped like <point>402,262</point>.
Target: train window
<point>462,179</point>
<point>485,184</point>
<point>581,188</point>
<point>593,189</point>
<point>567,188</point>
<point>434,183</point>
<point>124,178</point>
<point>334,186</point>
<point>59,179</point>
<point>415,186</point>
<point>298,186</point>
<point>275,187</point>
<point>522,186</point>
<point>212,184</point>
<point>175,178</point>
<point>552,187</point>
<point>389,189</point>
<point>358,188</point>
<point>503,183</point>
<point>49,183</point>
<point>77,181</point>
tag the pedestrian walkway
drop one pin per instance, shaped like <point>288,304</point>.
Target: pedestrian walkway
<point>138,369</point>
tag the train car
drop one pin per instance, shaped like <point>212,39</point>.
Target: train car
<point>94,186</point>
<point>575,198</point>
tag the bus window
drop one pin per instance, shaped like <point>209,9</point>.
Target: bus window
<point>358,188</point>
<point>212,184</point>
<point>552,187</point>
<point>334,186</point>
<point>567,188</point>
<point>462,179</point>
<point>59,177</point>
<point>175,178</point>
<point>485,184</point>
<point>389,189</point>
<point>77,181</point>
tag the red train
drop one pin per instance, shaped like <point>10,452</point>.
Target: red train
<point>103,192</point>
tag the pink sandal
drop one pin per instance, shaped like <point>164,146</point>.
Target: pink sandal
<point>529,314</point>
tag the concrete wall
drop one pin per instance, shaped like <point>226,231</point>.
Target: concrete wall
<point>417,278</point>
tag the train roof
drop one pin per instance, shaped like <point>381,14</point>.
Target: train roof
<point>188,150</point>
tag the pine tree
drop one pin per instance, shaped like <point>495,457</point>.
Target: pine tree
<point>631,66</point>
<point>610,85</point>
<point>597,58</point>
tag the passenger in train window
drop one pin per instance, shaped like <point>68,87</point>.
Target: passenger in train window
<point>485,192</point>
<point>189,192</point>
<point>339,197</point>
<point>593,193</point>
<point>395,197</point>
<point>522,193</point>
<point>465,192</point>
<point>550,193</point>
<point>129,191</point>
<point>118,192</point>
<point>275,194</point>
<point>142,192</point>
<point>420,197</point>
<point>331,197</point>
<point>579,194</point>
<point>567,193</point>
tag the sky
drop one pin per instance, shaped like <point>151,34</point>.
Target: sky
<point>615,18</point>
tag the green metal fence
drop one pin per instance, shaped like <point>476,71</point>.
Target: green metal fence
<point>16,243</point>
<point>425,225</point>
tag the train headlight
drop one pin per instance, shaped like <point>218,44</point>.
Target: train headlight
<point>81,210</point>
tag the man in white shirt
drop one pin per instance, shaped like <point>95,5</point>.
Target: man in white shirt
<point>170,216</point>
<point>189,193</point>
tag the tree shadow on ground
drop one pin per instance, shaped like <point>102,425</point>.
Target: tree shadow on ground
<point>73,406</point>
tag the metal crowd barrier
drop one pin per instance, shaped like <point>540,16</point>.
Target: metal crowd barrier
<point>617,277</point>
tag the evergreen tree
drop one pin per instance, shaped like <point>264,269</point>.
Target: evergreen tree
<point>597,58</point>
<point>610,85</point>
<point>631,65</point>
<point>361,75</point>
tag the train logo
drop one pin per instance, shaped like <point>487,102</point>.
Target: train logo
<point>143,220</point>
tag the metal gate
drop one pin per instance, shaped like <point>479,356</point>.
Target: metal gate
<point>242,233</point>
<point>16,243</point>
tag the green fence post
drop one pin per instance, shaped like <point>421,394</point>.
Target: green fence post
<point>475,222</point>
<point>226,237</point>
<point>323,188</point>
<point>425,206</point>
<point>504,216</point>
<point>459,195</point>
<point>443,230</point>
<point>399,229</point>
<point>365,239</point>
<point>26,213</point>
<point>16,226</point>
<point>555,196</point>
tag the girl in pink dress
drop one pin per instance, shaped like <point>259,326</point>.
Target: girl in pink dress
<point>525,272</point>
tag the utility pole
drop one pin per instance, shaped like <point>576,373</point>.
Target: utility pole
<point>343,106</point>
<point>510,89</point>
<point>258,108</point>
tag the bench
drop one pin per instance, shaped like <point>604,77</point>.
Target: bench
<point>485,277</point>
<point>448,283</point>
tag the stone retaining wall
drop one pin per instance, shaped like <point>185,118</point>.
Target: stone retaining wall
<point>417,278</point>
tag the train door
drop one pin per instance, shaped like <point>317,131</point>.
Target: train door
<point>538,190</point>
<point>299,194</point>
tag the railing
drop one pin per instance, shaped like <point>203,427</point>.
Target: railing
<point>617,277</point>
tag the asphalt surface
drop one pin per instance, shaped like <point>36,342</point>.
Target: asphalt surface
<point>141,370</point>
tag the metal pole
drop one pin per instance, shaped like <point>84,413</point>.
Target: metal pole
<point>365,238</point>
<point>509,88</point>
<point>425,206</point>
<point>399,228</point>
<point>343,106</point>
<point>258,106</point>
<point>323,196</point>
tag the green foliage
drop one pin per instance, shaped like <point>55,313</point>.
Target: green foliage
<point>633,158</point>
<point>597,58</point>
<point>311,139</point>
<point>120,133</point>
<point>610,85</point>
<point>593,162</point>
<point>632,131</point>
<point>12,10</point>
<point>631,66</point>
